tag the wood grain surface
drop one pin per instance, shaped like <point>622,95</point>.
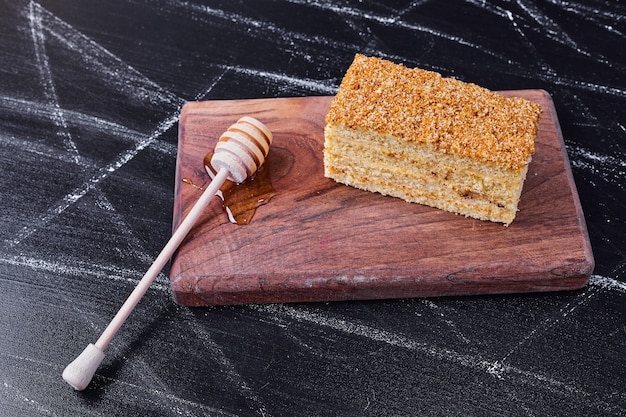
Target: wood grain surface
<point>318,240</point>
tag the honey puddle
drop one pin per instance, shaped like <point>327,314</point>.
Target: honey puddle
<point>240,201</point>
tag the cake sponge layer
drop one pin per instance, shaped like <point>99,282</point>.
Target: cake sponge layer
<point>412,134</point>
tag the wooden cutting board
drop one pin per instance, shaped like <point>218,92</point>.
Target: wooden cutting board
<point>318,240</point>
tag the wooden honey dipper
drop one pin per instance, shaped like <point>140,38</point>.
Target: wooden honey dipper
<point>239,153</point>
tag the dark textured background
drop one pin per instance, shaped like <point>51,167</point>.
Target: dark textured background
<point>90,93</point>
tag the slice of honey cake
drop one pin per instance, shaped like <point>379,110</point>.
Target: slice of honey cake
<point>413,134</point>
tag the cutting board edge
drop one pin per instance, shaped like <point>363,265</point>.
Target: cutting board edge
<point>582,224</point>
<point>338,291</point>
<point>341,285</point>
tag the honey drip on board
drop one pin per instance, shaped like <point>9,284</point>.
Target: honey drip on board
<point>190,182</point>
<point>241,200</point>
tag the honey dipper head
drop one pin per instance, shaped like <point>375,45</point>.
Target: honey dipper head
<point>242,149</point>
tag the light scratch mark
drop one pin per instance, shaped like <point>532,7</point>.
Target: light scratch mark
<point>545,325</point>
<point>80,269</point>
<point>102,174</point>
<point>36,26</point>
<point>394,21</point>
<point>549,26</point>
<point>607,283</point>
<point>121,75</point>
<point>449,322</point>
<point>156,395</point>
<point>32,404</point>
<point>38,110</point>
<point>233,376</point>
<point>494,368</point>
<point>309,84</point>
<point>104,63</point>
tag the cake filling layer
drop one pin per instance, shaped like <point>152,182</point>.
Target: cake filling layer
<point>422,175</point>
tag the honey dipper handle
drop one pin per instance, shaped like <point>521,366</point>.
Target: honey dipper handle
<point>167,252</point>
<point>80,372</point>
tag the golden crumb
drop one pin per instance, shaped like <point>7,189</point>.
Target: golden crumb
<point>423,107</point>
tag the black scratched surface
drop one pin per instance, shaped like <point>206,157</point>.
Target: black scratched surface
<point>90,93</point>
